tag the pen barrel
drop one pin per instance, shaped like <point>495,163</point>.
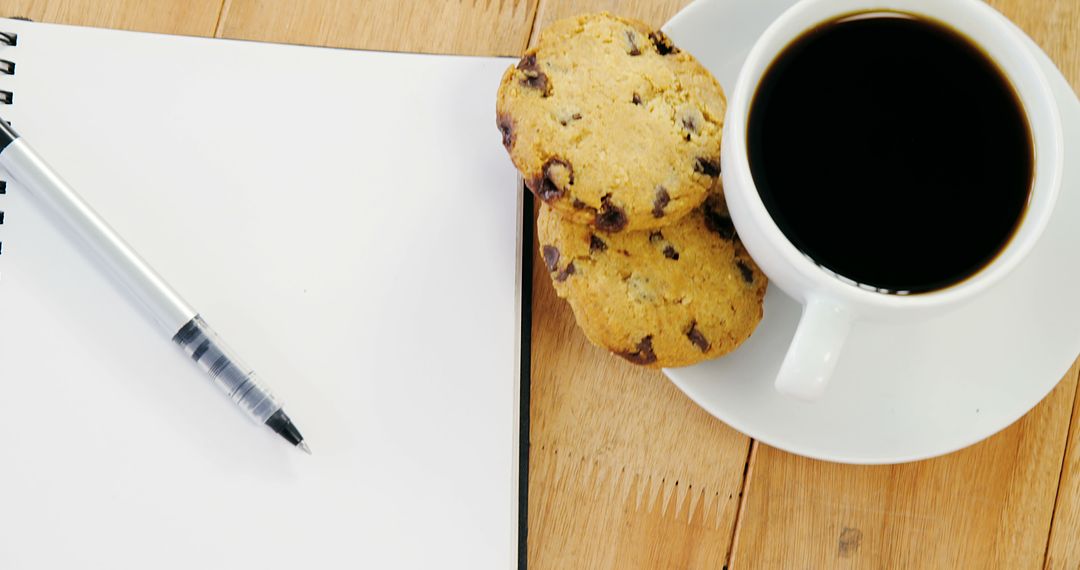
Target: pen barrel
<point>239,382</point>
<point>163,304</point>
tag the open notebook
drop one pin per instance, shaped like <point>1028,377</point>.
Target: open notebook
<point>348,222</point>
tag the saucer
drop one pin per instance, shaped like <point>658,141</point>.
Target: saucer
<point>900,392</point>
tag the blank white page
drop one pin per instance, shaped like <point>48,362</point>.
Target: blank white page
<point>348,222</point>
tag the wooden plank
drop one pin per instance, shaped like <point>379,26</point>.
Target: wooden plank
<point>652,12</point>
<point>988,506</point>
<point>626,472</point>
<point>1054,25</point>
<point>478,27</point>
<point>1063,551</point>
<point>187,17</point>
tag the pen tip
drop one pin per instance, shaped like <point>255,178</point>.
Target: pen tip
<point>303,447</point>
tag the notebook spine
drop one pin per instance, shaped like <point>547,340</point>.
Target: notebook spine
<point>7,97</point>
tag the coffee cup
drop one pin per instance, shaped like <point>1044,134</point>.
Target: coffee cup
<point>835,295</point>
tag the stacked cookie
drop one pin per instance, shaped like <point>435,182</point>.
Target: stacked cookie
<point>618,132</point>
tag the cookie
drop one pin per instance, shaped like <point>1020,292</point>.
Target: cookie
<point>611,125</point>
<point>671,297</point>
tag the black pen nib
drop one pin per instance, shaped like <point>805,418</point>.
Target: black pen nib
<point>283,426</point>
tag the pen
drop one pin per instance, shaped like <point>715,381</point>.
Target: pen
<point>176,318</point>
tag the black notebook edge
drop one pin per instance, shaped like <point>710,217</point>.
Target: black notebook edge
<point>525,374</point>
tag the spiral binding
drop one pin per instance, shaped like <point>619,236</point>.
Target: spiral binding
<point>7,97</point>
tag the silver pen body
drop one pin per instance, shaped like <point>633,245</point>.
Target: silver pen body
<point>163,304</point>
<point>174,316</point>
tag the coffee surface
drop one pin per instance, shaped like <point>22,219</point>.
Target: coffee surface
<point>891,151</point>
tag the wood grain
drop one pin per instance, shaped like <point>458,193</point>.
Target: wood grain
<point>477,27</point>
<point>187,17</point>
<point>652,12</point>
<point>988,506</point>
<point>1054,25</point>
<point>1063,551</point>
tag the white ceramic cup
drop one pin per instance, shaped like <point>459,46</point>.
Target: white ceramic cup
<point>831,302</point>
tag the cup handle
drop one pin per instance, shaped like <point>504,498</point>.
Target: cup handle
<point>813,353</point>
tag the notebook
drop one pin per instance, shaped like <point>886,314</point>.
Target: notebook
<point>348,222</point>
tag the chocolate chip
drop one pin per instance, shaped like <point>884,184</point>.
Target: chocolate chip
<point>596,244</point>
<point>528,62</point>
<point>551,256</point>
<point>707,166</point>
<point>565,119</point>
<point>660,202</point>
<point>556,176</point>
<point>719,223</point>
<point>698,339</point>
<point>631,37</point>
<point>565,272</point>
<point>747,273</point>
<point>717,218</point>
<point>535,184</point>
<point>657,238</point>
<point>579,205</point>
<point>534,77</point>
<point>691,119</point>
<point>610,218</point>
<point>506,127</point>
<point>636,99</point>
<point>663,44</point>
<point>644,353</point>
<point>540,83</point>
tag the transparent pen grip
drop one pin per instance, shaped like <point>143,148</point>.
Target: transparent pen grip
<point>239,382</point>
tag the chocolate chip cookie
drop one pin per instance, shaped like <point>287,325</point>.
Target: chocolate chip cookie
<point>612,125</point>
<point>670,297</point>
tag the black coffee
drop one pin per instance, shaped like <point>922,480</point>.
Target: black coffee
<point>891,151</point>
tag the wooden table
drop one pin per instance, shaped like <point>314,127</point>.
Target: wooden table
<point>625,472</point>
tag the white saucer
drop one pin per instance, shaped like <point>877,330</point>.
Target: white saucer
<point>959,378</point>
